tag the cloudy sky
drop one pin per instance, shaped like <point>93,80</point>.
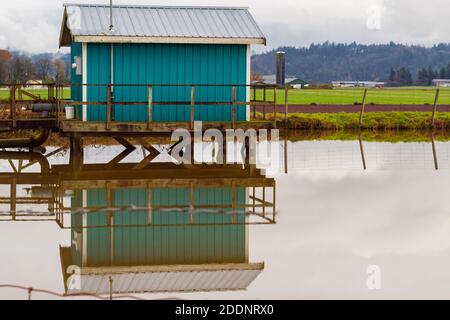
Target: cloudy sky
<point>34,25</point>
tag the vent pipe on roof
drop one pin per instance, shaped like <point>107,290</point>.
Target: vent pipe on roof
<point>111,24</point>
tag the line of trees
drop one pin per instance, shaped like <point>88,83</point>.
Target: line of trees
<point>20,68</point>
<point>425,76</point>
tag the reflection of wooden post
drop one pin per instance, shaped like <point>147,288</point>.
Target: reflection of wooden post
<point>13,196</point>
<point>192,203</point>
<point>233,201</point>
<point>192,107</point>
<point>234,107</point>
<point>286,164</point>
<point>254,199</point>
<point>264,199</point>
<point>150,106</point>
<point>363,107</point>
<point>436,101</point>
<point>435,158</point>
<point>150,206</point>
<point>361,148</point>
<point>274,201</point>
<point>108,109</point>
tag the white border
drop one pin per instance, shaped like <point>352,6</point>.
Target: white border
<point>84,78</point>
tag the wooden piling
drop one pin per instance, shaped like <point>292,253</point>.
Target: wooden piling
<point>286,104</point>
<point>435,105</point>
<point>363,108</point>
<point>275,107</point>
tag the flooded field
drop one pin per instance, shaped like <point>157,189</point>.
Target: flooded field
<point>308,227</point>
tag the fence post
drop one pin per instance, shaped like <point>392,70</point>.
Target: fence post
<point>192,107</point>
<point>436,101</point>
<point>363,107</point>
<point>150,106</point>
<point>13,105</point>
<point>108,109</point>
<point>286,106</point>
<point>275,107</point>
<point>234,107</point>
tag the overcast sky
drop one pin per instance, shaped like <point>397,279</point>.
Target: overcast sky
<point>34,25</point>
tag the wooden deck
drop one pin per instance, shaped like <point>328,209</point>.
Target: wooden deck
<point>100,128</point>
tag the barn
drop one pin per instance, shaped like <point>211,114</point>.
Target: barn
<point>128,48</point>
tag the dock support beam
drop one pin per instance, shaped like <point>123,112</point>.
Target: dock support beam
<point>76,152</point>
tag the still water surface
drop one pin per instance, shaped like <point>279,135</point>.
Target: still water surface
<point>175,230</point>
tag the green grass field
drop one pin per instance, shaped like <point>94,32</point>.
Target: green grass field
<point>410,95</point>
<point>43,93</point>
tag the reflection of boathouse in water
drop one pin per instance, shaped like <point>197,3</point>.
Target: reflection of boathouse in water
<point>165,228</point>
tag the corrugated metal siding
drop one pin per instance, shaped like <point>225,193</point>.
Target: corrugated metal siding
<point>98,240</point>
<point>160,282</point>
<point>168,64</point>
<point>99,72</point>
<point>165,245</point>
<point>197,22</point>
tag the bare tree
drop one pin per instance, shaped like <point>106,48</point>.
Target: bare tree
<point>61,71</point>
<point>43,68</point>
<point>21,69</point>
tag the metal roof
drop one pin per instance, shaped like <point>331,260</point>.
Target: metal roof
<point>161,24</point>
<point>169,279</point>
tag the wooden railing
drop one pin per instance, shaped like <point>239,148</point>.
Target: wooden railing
<point>193,102</point>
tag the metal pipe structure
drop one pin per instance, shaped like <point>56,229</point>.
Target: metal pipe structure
<point>30,142</point>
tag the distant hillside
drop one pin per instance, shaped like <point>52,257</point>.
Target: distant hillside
<point>329,61</point>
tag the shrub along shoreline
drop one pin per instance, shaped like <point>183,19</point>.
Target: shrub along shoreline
<point>371,121</point>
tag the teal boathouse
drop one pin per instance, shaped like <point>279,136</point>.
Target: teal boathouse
<point>118,52</point>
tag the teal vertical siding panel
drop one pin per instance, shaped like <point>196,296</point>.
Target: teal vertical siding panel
<point>76,90</point>
<point>176,64</point>
<point>167,64</point>
<point>99,72</point>
<point>178,243</point>
<point>98,239</point>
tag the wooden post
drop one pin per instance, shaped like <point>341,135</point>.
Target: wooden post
<point>13,106</point>
<point>234,107</point>
<point>275,107</point>
<point>436,101</point>
<point>150,106</point>
<point>363,107</point>
<point>108,109</point>
<point>286,106</point>
<point>192,107</point>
